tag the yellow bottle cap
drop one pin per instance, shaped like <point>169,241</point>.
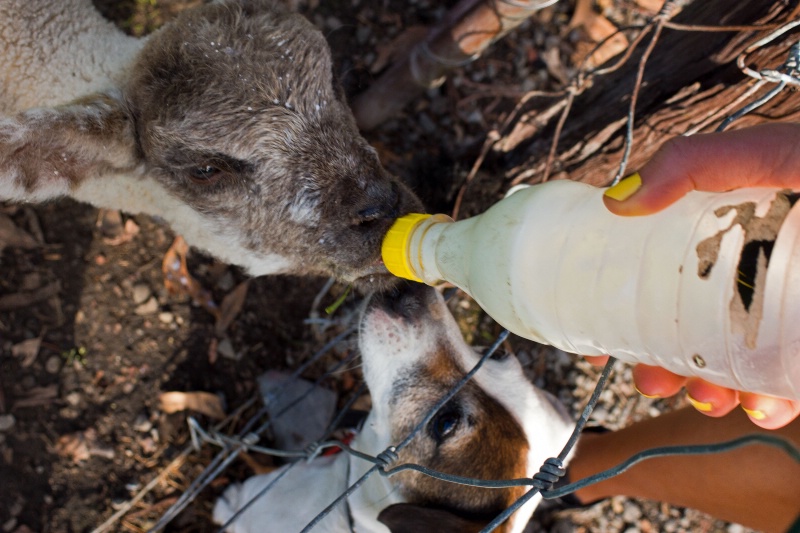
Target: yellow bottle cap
<point>394,249</point>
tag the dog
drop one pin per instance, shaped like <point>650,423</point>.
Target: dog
<point>498,426</point>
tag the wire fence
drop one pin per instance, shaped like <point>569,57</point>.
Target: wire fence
<point>383,464</point>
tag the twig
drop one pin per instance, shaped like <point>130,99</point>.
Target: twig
<point>661,18</point>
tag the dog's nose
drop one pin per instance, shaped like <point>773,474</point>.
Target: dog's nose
<point>407,299</point>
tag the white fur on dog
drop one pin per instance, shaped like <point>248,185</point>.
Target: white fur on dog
<point>390,346</point>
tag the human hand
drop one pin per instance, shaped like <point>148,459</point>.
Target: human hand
<point>761,156</point>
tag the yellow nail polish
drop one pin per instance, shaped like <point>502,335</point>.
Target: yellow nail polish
<point>646,395</point>
<point>625,188</point>
<point>700,406</point>
<point>754,414</point>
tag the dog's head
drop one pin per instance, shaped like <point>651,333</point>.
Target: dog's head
<point>499,426</point>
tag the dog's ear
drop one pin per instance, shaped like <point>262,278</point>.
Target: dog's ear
<point>411,518</point>
<point>48,152</point>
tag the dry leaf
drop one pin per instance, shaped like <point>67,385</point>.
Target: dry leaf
<point>37,396</point>
<point>81,445</point>
<point>27,350</point>
<point>10,302</point>
<point>109,221</point>
<point>11,235</point>
<point>202,402</point>
<point>231,306</point>
<point>177,279</point>
<point>129,231</point>
<point>399,47</point>
<point>213,354</point>
<point>653,6</point>
<point>73,446</point>
<point>597,28</point>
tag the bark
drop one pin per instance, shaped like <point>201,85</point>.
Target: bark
<point>691,82</point>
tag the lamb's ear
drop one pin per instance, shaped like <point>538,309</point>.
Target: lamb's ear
<point>46,153</point>
<point>410,518</point>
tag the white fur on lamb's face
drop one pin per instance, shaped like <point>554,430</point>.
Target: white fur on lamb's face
<point>229,125</point>
<point>413,354</point>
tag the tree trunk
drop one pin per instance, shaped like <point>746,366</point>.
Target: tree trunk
<point>691,82</point>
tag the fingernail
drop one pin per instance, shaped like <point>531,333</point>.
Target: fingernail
<point>700,406</point>
<point>625,188</point>
<point>754,414</point>
<point>646,395</point>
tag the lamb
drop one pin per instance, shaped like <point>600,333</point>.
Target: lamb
<point>227,123</point>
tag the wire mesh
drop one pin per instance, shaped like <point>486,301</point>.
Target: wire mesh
<point>553,469</point>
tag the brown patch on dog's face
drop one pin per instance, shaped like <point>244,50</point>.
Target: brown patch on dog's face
<point>472,436</point>
<point>238,114</point>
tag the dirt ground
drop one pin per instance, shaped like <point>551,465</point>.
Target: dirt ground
<point>84,360</point>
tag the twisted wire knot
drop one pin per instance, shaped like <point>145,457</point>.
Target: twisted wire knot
<point>312,451</point>
<point>251,439</point>
<point>387,457</point>
<point>550,472</point>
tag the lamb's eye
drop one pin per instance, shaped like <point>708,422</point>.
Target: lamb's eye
<point>205,174</point>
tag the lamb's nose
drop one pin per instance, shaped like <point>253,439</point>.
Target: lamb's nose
<point>381,204</point>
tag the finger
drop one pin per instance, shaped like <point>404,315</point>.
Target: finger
<point>597,360</point>
<point>769,412</point>
<point>760,156</point>
<point>709,399</point>
<point>656,382</point>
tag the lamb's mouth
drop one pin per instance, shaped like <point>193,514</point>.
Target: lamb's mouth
<point>374,277</point>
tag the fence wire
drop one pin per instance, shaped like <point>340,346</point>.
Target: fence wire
<point>553,469</point>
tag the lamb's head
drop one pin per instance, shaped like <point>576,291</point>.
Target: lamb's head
<point>236,133</point>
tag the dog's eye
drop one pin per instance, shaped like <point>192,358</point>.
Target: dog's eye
<point>444,424</point>
<point>500,355</point>
<point>205,175</point>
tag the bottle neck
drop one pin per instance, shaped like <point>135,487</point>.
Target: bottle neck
<point>439,250</point>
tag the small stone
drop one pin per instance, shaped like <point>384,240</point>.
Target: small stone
<point>119,503</point>
<point>142,424</point>
<point>73,398</point>
<point>166,317</point>
<point>147,308</point>
<point>362,34</point>
<point>17,507</point>
<point>141,293</point>
<point>53,365</point>
<point>333,23</point>
<point>226,282</point>
<point>225,349</point>
<point>632,513</point>
<point>7,422</point>
<point>148,445</point>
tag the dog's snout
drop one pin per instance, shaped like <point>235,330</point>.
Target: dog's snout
<point>407,299</point>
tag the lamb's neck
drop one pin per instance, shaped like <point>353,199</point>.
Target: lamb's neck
<point>55,51</point>
<point>135,193</point>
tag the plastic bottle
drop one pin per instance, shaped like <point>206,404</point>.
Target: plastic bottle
<point>709,287</point>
